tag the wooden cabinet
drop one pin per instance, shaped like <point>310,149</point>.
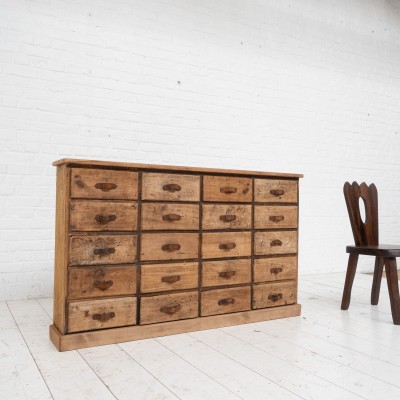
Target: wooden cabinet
<point>148,250</point>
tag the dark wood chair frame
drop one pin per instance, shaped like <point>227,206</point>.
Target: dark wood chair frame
<point>366,238</point>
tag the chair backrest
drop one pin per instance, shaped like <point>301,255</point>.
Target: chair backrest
<point>367,232</point>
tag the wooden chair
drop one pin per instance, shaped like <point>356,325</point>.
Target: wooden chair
<point>366,240</point>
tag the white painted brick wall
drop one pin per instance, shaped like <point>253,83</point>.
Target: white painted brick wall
<point>298,86</point>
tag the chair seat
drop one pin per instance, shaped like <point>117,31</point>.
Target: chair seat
<point>382,250</point>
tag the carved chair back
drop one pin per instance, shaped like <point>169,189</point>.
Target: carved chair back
<point>364,232</point>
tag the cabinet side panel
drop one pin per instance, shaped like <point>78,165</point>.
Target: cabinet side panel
<point>61,247</point>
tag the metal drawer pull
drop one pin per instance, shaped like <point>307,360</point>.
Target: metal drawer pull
<point>226,302</point>
<point>104,219</point>
<point>276,270</point>
<point>104,252</point>
<point>103,317</point>
<point>171,217</point>
<point>275,296</point>
<point>276,243</point>
<point>172,187</point>
<point>227,218</point>
<point>227,274</point>
<point>171,247</point>
<point>103,285</point>
<point>276,192</point>
<point>171,279</point>
<point>170,309</point>
<point>227,246</point>
<point>99,282</point>
<point>105,186</point>
<point>228,190</point>
<point>276,218</point>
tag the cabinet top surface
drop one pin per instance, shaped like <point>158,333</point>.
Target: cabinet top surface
<point>71,162</point>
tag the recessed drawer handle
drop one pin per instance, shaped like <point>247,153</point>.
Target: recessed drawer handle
<point>227,274</point>
<point>227,246</point>
<point>276,243</point>
<point>105,186</point>
<point>226,302</point>
<point>171,247</point>
<point>103,285</point>
<point>104,219</point>
<point>276,270</point>
<point>227,218</point>
<point>171,279</point>
<point>276,218</point>
<point>103,317</point>
<point>228,190</point>
<point>104,252</point>
<point>275,296</point>
<point>171,217</point>
<point>276,192</point>
<point>170,309</point>
<point>172,187</point>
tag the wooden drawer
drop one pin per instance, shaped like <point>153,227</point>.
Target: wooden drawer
<point>169,307</point>
<point>223,301</point>
<point>274,294</point>
<point>275,217</point>
<point>226,244</point>
<point>275,269</point>
<point>166,277</point>
<point>98,215</point>
<point>99,314</point>
<point>102,249</point>
<point>160,216</point>
<point>275,190</point>
<point>226,272</point>
<point>169,246</point>
<point>87,282</point>
<point>103,184</point>
<point>226,216</point>
<point>278,242</point>
<point>227,189</point>
<point>170,187</point>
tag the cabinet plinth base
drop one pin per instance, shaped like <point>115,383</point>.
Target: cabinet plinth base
<point>81,340</point>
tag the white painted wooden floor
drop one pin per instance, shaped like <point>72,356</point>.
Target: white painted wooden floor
<point>324,354</point>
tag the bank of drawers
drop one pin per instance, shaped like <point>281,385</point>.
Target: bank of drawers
<point>163,247</point>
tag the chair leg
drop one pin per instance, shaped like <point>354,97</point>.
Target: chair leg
<point>351,271</point>
<point>376,283</point>
<point>393,286</point>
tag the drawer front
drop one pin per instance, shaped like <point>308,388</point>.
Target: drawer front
<point>166,277</point>
<point>226,244</point>
<point>170,187</point>
<point>102,249</point>
<point>227,189</point>
<point>95,215</point>
<point>226,272</point>
<point>275,217</point>
<point>279,242</point>
<point>169,307</point>
<point>159,216</point>
<point>99,314</point>
<point>169,246</point>
<point>222,301</point>
<point>275,191</point>
<point>226,216</point>
<point>275,269</point>
<point>103,184</point>
<point>87,282</point>
<point>274,294</point>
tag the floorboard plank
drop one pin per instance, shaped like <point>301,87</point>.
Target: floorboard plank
<point>20,378</point>
<point>67,374</point>
<point>230,374</point>
<point>186,381</point>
